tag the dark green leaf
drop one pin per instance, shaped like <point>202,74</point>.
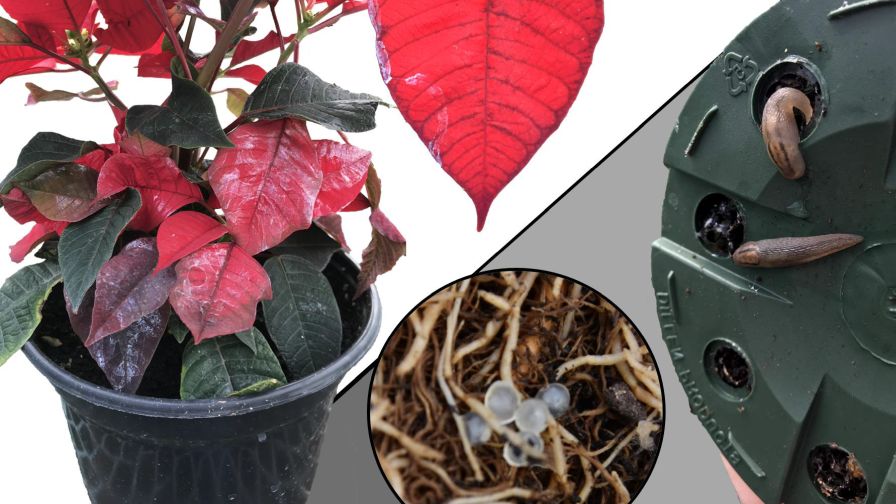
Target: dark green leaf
<point>42,152</point>
<point>65,192</point>
<point>225,366</point>
<point>312,244</point>
<point>188,120</point>
<point>177,328</point>
<point>248,339</point>
<point>85,246</point>
<point>291,90</point>
<point>21,298</point>
<point>303,316</point>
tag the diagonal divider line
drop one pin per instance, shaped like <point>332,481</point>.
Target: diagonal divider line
<point>554,203</point>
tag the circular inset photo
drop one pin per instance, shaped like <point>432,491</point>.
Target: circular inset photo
<point>516,386</point>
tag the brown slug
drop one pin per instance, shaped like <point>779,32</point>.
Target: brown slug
<point>792,251</point>
<point>782,134</point>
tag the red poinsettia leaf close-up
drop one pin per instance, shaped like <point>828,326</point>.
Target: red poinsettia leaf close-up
<point>217,290</point>
<point>53,15</point>
<point>162,186</point>
<point>41,232</point>
<point>128,289</point>
<point>184,233</point>
<point>267,183</point>
<point>344,170</point>
<point>132,28</point>
<point>249,73</point>
<point>486,84</point>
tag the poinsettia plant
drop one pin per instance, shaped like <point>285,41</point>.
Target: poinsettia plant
<point>182,226</point>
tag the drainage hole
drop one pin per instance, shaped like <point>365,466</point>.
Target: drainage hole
<point>837,475</point>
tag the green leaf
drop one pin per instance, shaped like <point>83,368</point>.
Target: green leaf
<point>248,339</point>
<point>303,316</point>
<point>312,244</point>
<point>177,328</point>
<point>85,246</point>
<point>21,298</point>
<point>188,120</point>
<point>291,90</point>
<point>44,151</point>
<point>225,366</point>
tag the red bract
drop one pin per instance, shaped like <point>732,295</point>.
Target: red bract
<point>40,233</point>
<point>127,289</point>
<point>267,183</point>
<point>184,233</point>
<point>344,171</point>
<point>162,186</point>
<point>248,49</point>
<point>485,84</point>
<point>19,207</point>
<point>218,289</point>
<point>155,65</point>
<point>20,60</point>
<point>131,25</point>
<point>251,73</point>
<point>54,15</point>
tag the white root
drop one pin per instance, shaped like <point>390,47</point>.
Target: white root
<point>590,360</point>
<point>414,447</point>
<point>510,493</point>
<point>444,373</point>
<point>513,337</point>
<point>491,330</point>
<point>574,295</point>
<point>499,302</point>
<point>423,329</point>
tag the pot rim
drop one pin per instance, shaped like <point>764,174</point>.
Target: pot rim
<point>71,384</point>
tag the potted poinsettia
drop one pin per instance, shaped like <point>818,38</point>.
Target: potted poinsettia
<point>157,249</point>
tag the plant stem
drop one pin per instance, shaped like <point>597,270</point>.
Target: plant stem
<point>188,39</point>
<point>86,68</point>
<point>277,27</point>
<point>161,14</point>
<point>213,63</point>
<point>300,17</point>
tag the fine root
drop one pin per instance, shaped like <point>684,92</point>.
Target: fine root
<point>530,329</point>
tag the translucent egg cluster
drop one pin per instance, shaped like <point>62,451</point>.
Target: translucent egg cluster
<point>531,417</point>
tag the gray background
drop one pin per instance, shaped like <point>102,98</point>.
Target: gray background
<point>599,234</point>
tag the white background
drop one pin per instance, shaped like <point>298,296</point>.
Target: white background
<point>648,51</point>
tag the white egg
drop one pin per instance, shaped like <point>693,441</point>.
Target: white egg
<point>532,416</point>
<point>503,400</point>
<point>556,396</point>
<point>478,430</point>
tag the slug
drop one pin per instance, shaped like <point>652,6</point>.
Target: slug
<point>781,132</point>
<point>791,251</point>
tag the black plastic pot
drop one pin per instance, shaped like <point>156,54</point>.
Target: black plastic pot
<point>257,450</point>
